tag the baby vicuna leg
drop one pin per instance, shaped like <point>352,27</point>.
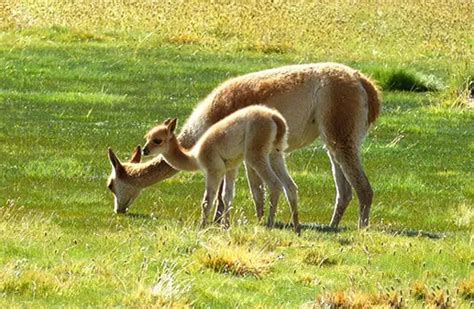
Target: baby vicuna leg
<point>228,194</point>
<point>218,214</point>
<point>258,190</point>
<point>260,138</point>
<point>263,168</point>
<point>213,180</point>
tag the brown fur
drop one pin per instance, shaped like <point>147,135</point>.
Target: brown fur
<point>340,120</point>
<point>240,92</point>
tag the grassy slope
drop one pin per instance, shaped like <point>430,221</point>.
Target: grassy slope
<point>62,104</point>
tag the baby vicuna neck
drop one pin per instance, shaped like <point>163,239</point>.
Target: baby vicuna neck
<point>178,157</point>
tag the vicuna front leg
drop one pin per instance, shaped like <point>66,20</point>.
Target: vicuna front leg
<point>291,190</point>
<point>349,161</point>
<point>212,187</point>
<point>257,188</point>
<point>343,192</point>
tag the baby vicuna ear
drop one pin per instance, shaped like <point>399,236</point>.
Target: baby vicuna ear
<point>171,125</point>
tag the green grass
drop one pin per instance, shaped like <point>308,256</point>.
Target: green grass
<point>406,80</point>
<point>432,39</point>
<point>62,102</point>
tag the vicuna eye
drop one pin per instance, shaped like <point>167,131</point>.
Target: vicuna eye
<point>110,185</point>
<point>157,141</point>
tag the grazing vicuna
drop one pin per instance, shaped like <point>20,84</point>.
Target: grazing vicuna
<point>329,100</point>
<point>255,134</point>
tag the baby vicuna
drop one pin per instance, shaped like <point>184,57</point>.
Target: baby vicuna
<point>255,134</point>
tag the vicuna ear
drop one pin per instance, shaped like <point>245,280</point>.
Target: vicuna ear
<point>172,125</point>
<point>137,155</point>
<point>167,121</point>
<point>115,162</point>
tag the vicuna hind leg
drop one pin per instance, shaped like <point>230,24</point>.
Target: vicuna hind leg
<point>343,192</point>
<point>228,194</point>
<point>220,204</point>
<point>213,181</point>
<point>263,168</point>
<point>348,158</point>
<point>291,190</point>
<point>258,190</point>
<point>256,156</point>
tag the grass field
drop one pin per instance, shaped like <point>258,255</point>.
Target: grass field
<point>67,93</point>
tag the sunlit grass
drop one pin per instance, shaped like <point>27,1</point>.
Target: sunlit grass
<point>237,260</point>
<point>68,93</point>
<point>378,30</point>
<point>437,38</point>
<point>145,262</point>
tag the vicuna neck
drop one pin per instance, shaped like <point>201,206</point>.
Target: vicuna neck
<point>180,158</point>
<point>148,173</point>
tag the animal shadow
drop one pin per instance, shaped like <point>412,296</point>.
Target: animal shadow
<point>311,227</point>
<point>412,233</point>
<point>392,231</point>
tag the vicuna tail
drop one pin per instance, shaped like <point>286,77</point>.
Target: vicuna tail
<point>281,134</point>
<point>373,95</point>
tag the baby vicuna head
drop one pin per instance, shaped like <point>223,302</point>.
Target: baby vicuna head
<point>158,138</point>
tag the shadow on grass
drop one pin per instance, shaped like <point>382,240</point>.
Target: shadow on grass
<point>312,227</point>
<point>140,216</point>
<point>412,233</point>
<point>392,231</point>
<point>328,229</point>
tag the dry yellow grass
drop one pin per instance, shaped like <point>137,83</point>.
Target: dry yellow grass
<point>344,29</point>
<point>466,289</point>
<point>419,290</point>
<point>353,299</point>
<point>236,260</point>
<point>320,259</point>
<point>439,299</point>
<point>436,36</point>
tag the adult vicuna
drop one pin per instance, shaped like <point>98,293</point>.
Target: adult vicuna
<point>329,100</point>
<point>255,134</point>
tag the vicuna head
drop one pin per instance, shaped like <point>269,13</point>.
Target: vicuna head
<point>158,138</point>
<point>119,182</point>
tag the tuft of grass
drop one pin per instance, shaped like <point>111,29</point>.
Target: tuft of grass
<point>466,289</point>
<point>316,258</point>
<point>166,292</point>
<point>464,216</point>
<point>402,79</point>
<point>434,297</point>
<point>460,91</point>
<point>419,290</point>
<point>20,279</point>
<point>356,299</point>
<point>439,298</point>
<point>237,260</point>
